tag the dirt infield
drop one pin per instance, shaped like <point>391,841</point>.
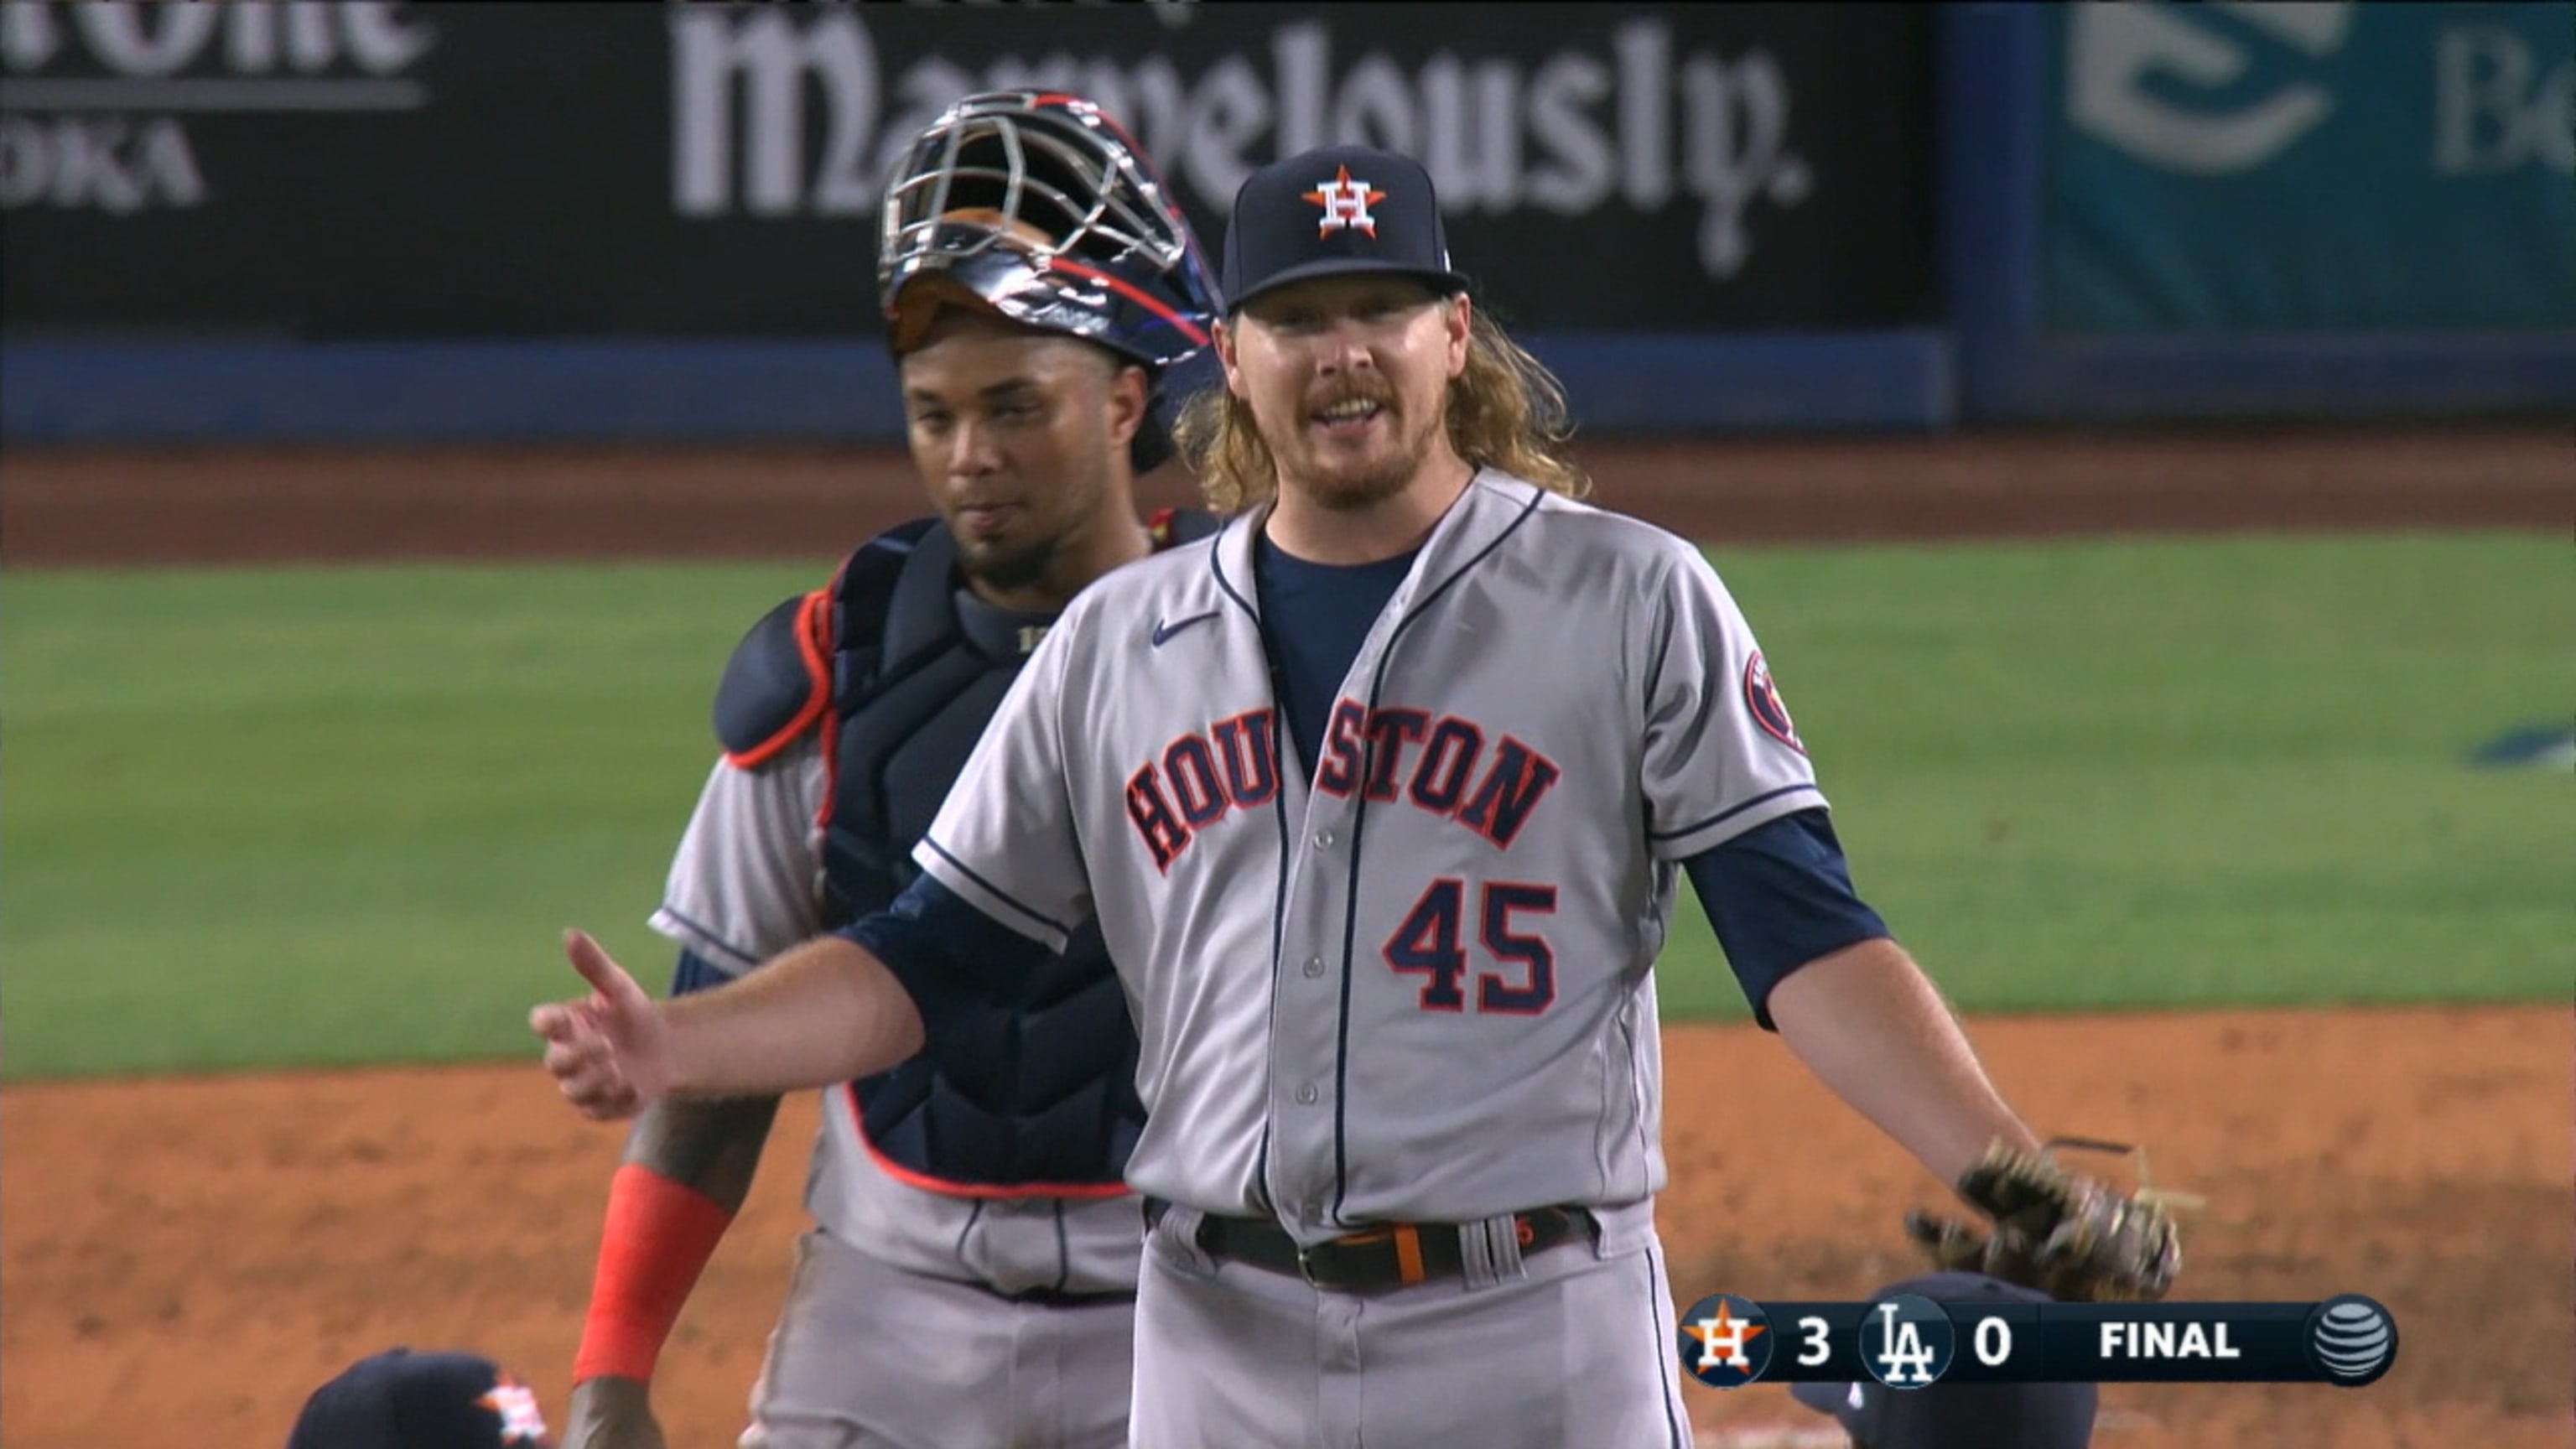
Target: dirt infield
<point>201,1254</point>
<point>184,1260</point>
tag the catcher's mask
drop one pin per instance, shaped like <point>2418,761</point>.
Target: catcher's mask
<point>1039,206</point>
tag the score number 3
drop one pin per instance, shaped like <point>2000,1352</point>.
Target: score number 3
<point>1814,1346</point>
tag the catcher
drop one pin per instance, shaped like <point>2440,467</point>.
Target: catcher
<point>969,1278</point>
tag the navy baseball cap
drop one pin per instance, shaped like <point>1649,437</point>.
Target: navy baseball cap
<point>1960,1416</point>
<point>399,1399</point>
<point>1331,212</point>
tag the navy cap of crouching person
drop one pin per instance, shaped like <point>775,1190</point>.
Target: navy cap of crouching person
<point>1960,1416</point>
<point>399,1399</point>
<point>1335,211</point>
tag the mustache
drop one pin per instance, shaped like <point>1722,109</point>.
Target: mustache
<point>1345,394</point>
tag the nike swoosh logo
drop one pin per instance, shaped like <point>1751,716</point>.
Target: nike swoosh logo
<point>1163,632</point>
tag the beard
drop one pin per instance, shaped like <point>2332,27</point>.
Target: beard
<point>1008,567</point>
<point>1350,488</point>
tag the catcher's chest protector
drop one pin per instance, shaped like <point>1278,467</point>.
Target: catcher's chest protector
<point>1037,1088</point>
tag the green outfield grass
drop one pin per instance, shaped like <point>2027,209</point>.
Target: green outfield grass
<point>338,816</point>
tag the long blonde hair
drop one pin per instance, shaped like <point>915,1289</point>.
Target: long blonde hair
<point>1506,412</point>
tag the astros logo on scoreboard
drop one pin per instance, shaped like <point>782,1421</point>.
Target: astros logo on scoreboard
<point>1726,1341</point>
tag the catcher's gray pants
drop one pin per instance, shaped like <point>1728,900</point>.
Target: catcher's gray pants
<point>869,1356</point>
<point>1577,1346</point>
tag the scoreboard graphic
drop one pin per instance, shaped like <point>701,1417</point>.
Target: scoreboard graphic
<point>1906,1341</point>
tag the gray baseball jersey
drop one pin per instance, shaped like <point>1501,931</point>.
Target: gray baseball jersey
<point>1409,980</point>
<point>747,884</point>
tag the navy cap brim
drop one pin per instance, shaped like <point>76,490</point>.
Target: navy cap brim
<point>1958,1286</point>
<point>1821,1397</point>
<point>1445,283</point>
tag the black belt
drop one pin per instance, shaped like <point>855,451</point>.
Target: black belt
<point>1060,1298</point>
<point>1392,1255</point>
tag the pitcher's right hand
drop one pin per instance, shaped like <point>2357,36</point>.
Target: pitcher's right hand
<point>610,1052</point>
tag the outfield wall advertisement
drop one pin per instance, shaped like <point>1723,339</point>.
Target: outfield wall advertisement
<point>2311,167</point>
<point>366,220</point>
<point>379,170</point>
<point>371,220</point>
<point>2159,212</point>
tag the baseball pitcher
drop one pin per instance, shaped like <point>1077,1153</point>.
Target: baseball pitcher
<point>1381,799</point>
<point>969,1279</point>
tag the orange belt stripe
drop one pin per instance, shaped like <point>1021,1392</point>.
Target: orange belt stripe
<point>1408,1254</point>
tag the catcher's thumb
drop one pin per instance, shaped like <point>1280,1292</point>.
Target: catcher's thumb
<point>605,976</point>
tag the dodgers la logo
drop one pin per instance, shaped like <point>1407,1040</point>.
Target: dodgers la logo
<point>1907,1341</point>
<point>1346,204</point>
<point>1762,697</point>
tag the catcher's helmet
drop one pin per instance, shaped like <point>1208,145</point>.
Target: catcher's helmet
<point>1037,204</point>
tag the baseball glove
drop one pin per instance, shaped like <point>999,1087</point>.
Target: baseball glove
<point>2074,1238</point>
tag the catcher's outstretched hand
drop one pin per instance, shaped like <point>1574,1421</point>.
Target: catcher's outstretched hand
<point>2074,1238</point>
<point>611,1051</point>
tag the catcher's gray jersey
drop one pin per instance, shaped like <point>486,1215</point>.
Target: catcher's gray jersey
<point>1408,981</point>
<point>745,886</point>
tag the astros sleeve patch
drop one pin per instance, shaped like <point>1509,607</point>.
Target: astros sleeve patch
<point>1722,754</point>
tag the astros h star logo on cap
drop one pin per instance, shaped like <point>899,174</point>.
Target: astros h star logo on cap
<point>1346,204</point>
<point>515,1405</point>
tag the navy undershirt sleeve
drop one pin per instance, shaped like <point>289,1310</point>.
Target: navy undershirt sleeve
<point>1313,620</point>
<point>944,950</point>
<point>1779,896</point>
<point>694,972</point>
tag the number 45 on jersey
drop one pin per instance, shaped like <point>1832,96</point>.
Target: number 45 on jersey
<point>1432,942</point>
